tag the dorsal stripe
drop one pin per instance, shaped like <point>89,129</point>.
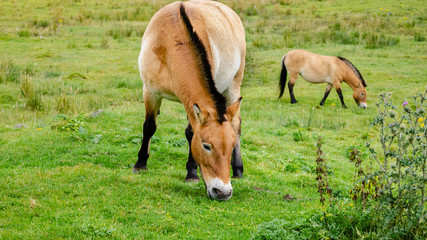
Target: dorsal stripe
<point>199,48</point>
<point>354,69</point>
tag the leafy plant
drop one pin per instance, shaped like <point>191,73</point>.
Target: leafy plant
<point>298,136</point>
<point>402,168</point>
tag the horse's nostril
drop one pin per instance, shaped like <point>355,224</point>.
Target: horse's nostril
<point>215,190</point>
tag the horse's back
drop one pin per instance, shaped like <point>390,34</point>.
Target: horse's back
<point>165,40</point>
<point>223,33</point>
<point>313,67</point>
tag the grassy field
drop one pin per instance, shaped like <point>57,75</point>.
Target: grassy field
<point>65,173</point>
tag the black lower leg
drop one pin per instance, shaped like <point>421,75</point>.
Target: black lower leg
<point>191,164</point>
<point>341,98</point>
<point>291,92</point>
<point>236,162</point>
<point>324,97</point>
<point>236,158</point>
<point>148,131</point>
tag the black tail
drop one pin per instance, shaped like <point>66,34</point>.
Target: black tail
<point>283,76</point>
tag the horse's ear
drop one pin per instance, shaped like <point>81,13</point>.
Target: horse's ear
<point>200,114</point>
<point>234,109</point>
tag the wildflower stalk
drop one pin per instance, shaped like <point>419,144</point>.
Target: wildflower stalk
<point>323,185</point>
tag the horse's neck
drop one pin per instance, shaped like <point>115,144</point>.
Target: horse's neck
<point>194,92</point>
<point>351,79</point>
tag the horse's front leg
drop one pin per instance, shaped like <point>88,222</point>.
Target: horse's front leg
<point>191,164</point>
<point>341,97</point>
<point>328,90</point>
<point>152,105</point>
<point>236,158</point>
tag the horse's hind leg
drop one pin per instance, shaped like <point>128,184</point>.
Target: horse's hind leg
<point>292,79</point>
<point>328,90</point>
<point>152,105</point>
<point>191,164</point>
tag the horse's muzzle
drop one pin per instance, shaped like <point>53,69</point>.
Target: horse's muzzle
<point>363,105</point>
<point>218,190</point>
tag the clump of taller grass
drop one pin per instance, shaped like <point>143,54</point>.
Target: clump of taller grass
<point>418,36</point>
<point>11,72</point>
<point>105,43</point>
<point>41,23</point>
<point>374,40</point>
<point>63,104</point>
<point>34,100</point>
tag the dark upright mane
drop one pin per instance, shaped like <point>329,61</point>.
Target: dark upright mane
<point>205,65</point>
<point>354,69</point>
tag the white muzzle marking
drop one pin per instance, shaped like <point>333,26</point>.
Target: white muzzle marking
<point>363,105</point>
<point>218,190</point>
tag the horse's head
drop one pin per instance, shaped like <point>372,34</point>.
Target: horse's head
<point>212,145</point>
<point>359,95</point>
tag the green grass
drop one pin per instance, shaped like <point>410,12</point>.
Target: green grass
<point>81,56</point>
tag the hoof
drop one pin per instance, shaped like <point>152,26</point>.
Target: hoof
<point>238,174</point>
<point>192,179</point>
<point>137,170</point>
<point>293,102</point>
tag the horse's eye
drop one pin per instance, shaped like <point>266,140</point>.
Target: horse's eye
<point>362,94</point>
<point>207,146</point>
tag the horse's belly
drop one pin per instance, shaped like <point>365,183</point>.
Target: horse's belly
<point>314,77</point>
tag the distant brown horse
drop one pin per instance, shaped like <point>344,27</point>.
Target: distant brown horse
<point>316,68</point>
<point>194,53</point>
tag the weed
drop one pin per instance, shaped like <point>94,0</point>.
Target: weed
<point>24,33</point>
<point>34,100</point>
<point>41,23</point>
<point>105,43</point>
<point>418,37</point>
<point>63,104</point>
<point>373,40</point>
<point>298,136</point>
<point>9,72</point>
<point>51,74</point>
<point>74,124</point>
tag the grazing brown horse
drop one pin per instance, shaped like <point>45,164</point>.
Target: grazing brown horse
<point>194,53</point>
<point>316,68</point>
